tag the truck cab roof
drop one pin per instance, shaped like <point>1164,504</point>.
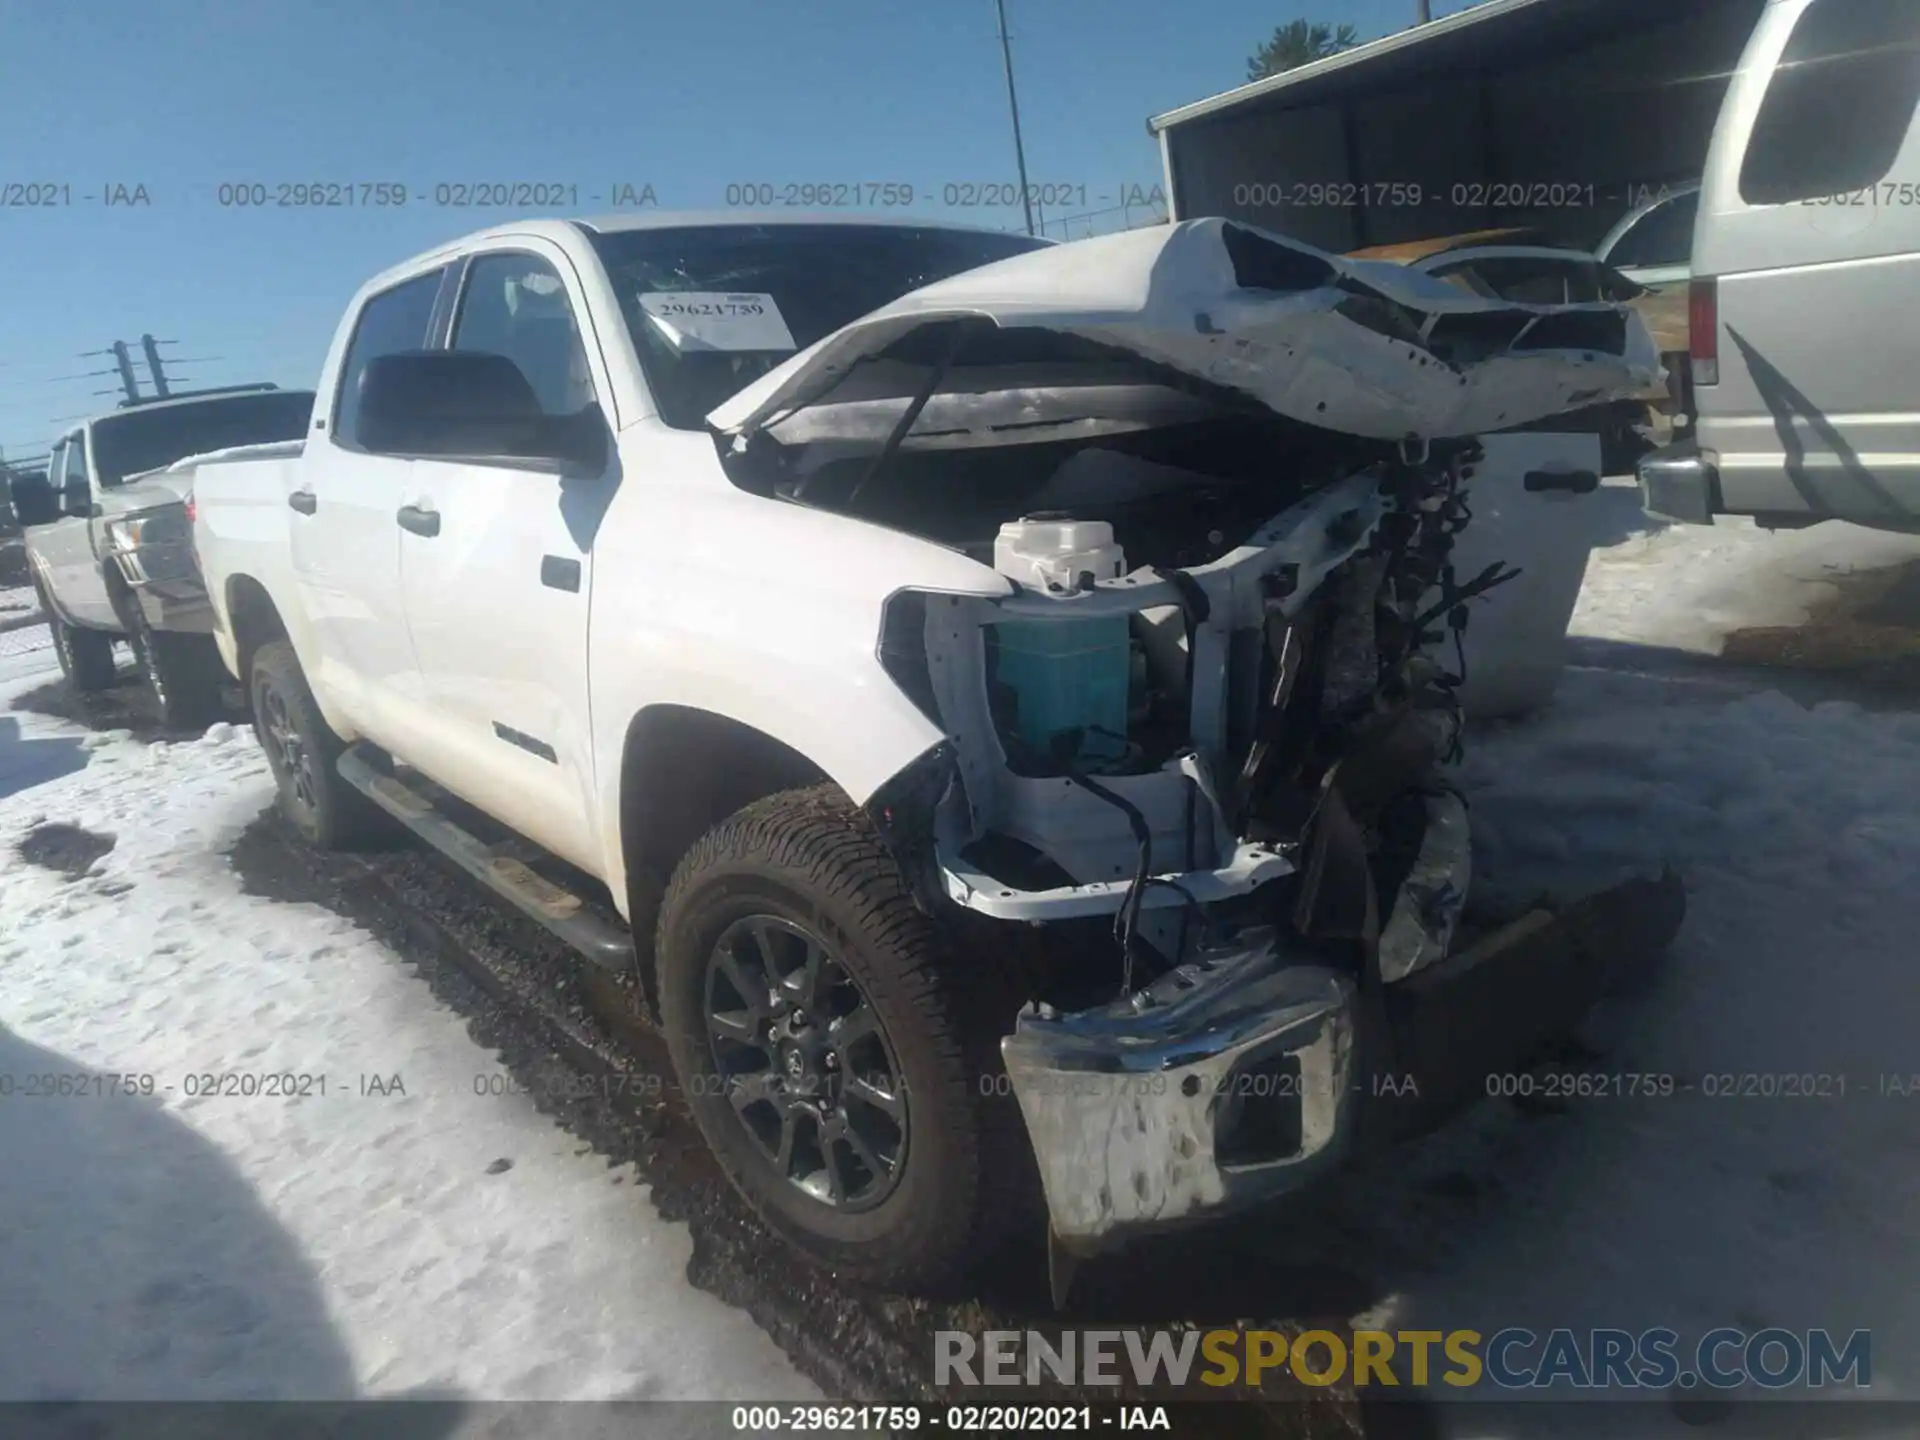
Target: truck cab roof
<point>562,231</point>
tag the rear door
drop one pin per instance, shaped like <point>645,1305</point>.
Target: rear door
<point>345,501</point>
<point>496,571</point>
<point>1810,227</point>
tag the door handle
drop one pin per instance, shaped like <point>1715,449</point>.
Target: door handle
<point>419,519</point>
<point>303,501</point>
<point>1580,482</point>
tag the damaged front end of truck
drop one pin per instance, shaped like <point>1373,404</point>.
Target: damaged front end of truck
<point>1196,759</point>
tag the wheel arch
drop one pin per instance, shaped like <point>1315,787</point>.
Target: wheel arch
<point>253,620</point>
<point>682,771</point>
<point>126,604</point>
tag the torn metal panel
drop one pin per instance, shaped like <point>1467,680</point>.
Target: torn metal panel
<point>1132,1106</point>
<point>1367,348</point>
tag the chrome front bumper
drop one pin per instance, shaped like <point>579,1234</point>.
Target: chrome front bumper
<point>1227,1081</point>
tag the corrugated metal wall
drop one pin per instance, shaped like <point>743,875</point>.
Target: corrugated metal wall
<point>1635,109</point>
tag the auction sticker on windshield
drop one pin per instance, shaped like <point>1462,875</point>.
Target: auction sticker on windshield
<point>711,320</point>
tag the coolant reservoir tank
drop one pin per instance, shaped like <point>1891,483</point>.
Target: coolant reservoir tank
<point>1049,553</point>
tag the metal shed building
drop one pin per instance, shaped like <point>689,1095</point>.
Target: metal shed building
<point>1558,113</point>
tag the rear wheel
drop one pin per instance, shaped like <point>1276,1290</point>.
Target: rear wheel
<point>183,672</point>
<point>832,1054</point>
<point>301,751</point>
<point>86,656</point>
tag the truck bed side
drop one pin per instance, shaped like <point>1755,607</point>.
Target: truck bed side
<point>241,533</point>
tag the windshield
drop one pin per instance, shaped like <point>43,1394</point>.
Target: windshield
<point>136,440</point>
<point>713,308</point>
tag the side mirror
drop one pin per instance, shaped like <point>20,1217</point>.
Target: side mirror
<point>76,499</point>
<point>471,404</point>
<point>34,502</point>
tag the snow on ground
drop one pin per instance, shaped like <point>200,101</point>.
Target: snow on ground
<point>353,1244</point>
<point>1797,829</point>
<point>1686,587</point>
<point>1798,833</point>
<point>33,750</point>
<point>329,1246</point>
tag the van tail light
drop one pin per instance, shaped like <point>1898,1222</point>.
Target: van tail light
<point>1703,331</point>
<point>192,510</point>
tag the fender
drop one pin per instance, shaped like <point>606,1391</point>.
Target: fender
<point>294,625</point>
<point>889,736</point>
<point>43,588</point>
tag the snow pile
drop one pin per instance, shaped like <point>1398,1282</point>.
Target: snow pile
<point>329,1245</point>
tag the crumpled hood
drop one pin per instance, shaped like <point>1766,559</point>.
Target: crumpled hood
<point>1364,347</point>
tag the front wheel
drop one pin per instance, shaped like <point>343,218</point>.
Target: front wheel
<point>85,656</point>
<point>832,1052</point>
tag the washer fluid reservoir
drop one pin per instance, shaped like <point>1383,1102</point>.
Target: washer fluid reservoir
<point>1065,675</point>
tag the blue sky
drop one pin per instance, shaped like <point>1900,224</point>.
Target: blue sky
<point>183,96</point>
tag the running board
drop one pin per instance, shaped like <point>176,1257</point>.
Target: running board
<point>576,920</point>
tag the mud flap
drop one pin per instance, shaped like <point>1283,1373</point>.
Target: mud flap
<point>1493,1006</point>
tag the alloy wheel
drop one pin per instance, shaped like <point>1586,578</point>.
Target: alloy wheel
<point>806,1063</point>
<point>292,760</point>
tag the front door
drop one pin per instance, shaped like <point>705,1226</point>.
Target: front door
<point>66,547</point>
<point>496,569</point>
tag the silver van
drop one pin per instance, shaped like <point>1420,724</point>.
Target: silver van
<point>1806,280</point>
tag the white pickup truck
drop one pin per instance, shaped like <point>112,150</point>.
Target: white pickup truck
<point>995,683</point>
<point>108,540</point>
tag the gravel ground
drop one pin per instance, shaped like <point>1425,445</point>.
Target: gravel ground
<point>564,1028</point>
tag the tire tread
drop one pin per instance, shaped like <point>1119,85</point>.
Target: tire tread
<point>818,834</point>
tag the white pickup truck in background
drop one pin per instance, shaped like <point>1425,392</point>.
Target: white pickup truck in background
<point>990,690</point>
<point>109,541</point>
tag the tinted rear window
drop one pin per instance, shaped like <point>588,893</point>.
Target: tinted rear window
<point>1838,105</point>
<point>138,440</point>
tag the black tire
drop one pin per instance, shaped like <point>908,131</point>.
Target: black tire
<point>301,751</point>
<point>184,673</point>
<point>805,864</point>
<point>86,656</point>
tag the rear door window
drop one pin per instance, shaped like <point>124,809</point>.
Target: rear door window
<point>1838,105</point>
<point>391,322</point>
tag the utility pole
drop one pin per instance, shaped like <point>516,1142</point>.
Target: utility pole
<point>1013,105</point>
<point>152,347</point>
<point>1426,11</point>
<point>125,362</point>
